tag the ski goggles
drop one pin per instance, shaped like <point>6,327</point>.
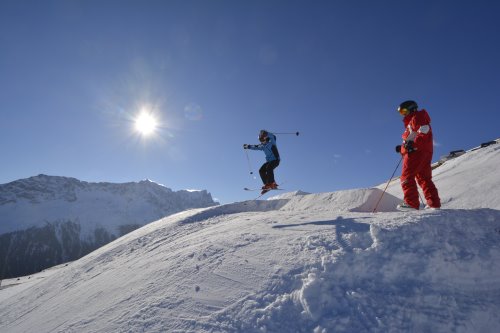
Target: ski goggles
<point>262,136</point>
<point>403,111</point>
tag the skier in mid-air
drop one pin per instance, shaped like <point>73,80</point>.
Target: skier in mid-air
<point>266,171</point>
<point>417,150</point>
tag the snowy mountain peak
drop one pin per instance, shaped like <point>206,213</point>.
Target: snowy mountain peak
<point>41,188</point>
<point>79,216</point>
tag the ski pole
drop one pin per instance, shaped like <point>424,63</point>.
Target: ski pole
<point>248,160</point>
<point>390,179</point>
<point>295,133</point>
<point>421,200</point>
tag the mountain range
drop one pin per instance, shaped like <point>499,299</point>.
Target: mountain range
<point>48,220</point>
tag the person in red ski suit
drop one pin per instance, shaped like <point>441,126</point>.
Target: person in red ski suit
<point>417,150</point>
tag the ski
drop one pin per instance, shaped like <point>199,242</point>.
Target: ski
<point>263,192</point>
<point>259,189</point>
<point>411,209</point>
<point>267,190</point>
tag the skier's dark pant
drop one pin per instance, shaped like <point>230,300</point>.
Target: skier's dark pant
<point>266,171</point>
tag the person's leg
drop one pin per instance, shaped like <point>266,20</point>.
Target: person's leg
<point>267,172</point>
<point>272,165</point>
<point>411,163</point>
<point>263,173</point>
<point>424,179</point>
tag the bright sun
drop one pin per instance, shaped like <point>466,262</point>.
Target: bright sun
<point>145,124</point>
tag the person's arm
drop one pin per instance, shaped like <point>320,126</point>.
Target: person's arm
<point>253,147</point>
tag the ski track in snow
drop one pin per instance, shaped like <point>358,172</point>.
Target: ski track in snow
<point>297,263</point>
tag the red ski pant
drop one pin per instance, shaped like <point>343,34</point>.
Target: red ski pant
<point>417,169</point>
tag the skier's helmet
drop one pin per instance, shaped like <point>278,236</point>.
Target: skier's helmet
<point>263,136</point>
<point>407,107</point>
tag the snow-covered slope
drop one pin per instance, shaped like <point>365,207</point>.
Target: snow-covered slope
<point>298,263</point>
<point>47,220</point>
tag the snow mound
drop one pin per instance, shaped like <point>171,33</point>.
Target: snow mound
<point>357,200</point>
<point>288,195</point>
<point>236,208</point>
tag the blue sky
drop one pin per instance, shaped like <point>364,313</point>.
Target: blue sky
<point>75,74</point>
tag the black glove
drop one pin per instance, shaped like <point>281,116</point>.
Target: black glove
<point>246,146</point>
<point>398,149</point>
<point>409,147</point>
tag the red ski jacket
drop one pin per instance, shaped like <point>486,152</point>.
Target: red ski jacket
<point>418,129</point>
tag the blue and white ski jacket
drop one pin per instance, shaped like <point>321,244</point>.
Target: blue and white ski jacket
<point>269,148</point>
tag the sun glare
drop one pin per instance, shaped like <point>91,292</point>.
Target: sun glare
<point>146,124</point>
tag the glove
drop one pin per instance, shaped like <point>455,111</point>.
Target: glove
<point>409,147</point>
<point>398,149</point>
<point>245,146</point>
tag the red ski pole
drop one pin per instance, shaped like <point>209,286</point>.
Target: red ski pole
<point>390,179</point>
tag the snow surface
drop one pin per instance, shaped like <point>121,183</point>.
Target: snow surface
<point>300,262</point>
